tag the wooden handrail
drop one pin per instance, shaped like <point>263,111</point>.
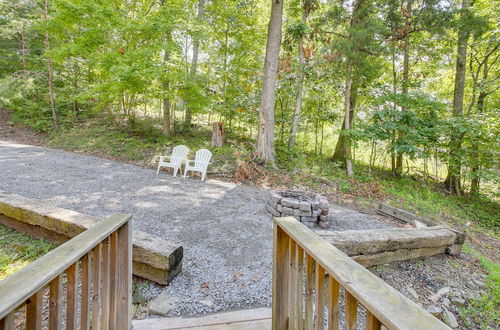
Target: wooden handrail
<point>384,305</point>
<point>104,254</point>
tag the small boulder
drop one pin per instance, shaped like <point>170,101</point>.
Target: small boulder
<point>458,301</point>
<point>450,319</point>
<point>162,304</point>
<point>206,302</point>
<point>435,311</point>
<point>324,224</point>
<point>437,296</point>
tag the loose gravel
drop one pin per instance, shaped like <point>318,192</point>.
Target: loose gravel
<point>225,232</point>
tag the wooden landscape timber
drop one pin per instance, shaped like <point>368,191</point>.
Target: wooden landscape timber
<point>153,258</point>
<point>381,246</point>
<point>414,220</point>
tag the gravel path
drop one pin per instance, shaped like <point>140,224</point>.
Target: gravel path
<point>226,234</point>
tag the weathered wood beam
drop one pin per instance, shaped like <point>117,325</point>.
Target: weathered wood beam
<point>381,246</point>
<point>153,258</point>
<point>411,218</point>
<point>356,242</point>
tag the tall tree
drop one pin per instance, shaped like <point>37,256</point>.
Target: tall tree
<point>354,39</point>
<point>50,72</point>
<point>407,10</point>
<point>194,62</point>
<point>452,182</point>
<point>265,135</point>
<point>166,90</point>
<point>307,7</point>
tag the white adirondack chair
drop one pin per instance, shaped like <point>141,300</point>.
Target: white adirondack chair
<point>201,161</point>
<point>179,154</point>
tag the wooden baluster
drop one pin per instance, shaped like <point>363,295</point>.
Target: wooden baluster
<point>113,288</point>
<point>299,314</point>
<point>86,294</point>
<point>292,295</point>
<point>105,284</point>
<point>320,297</point>
<point>56,302</point>
<point>34,311</point>
<point>124,279</point>
<point>281,263</point>
<point>96,287</point>
<point>7,323</point>
<point>351,311</point>
<point>372,323</point>
<point>72,295</point>
<point>333,303</point>
<point>309,318</point>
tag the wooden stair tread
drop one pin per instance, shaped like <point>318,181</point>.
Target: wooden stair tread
<point>250,319</point>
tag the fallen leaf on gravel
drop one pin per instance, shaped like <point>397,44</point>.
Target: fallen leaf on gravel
<point>236,275</point>
<point>205,285</point>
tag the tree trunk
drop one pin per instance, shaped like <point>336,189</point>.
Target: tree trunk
<point>347,120</point>
<point>300,83</point>
<point>23,48</point>
<point>166,97</point>
<point>406,80</point>
<point>452,181</point>
<point>194,62</point>
<point>476,179</point>
<point>218,134</point>
<point>339,153</point>
<point>342,149</point>
<point>265,137</point>
<point>50,76</point>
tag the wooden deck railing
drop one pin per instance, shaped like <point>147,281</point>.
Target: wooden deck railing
<point>84,283</point>
<point>310,276</point>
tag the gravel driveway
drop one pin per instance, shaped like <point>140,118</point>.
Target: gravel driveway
<point>226,234</point>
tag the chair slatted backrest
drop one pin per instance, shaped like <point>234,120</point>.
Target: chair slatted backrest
<point>179,153</point>
<point>202,158</point>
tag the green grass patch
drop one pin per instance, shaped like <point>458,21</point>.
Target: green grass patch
<point>18,250</point>
<point>485,310</point>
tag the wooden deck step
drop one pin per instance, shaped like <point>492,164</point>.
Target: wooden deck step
<point>250,319</point>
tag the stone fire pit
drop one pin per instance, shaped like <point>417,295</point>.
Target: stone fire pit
<point>307,207</point>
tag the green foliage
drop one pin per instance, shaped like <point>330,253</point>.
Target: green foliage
<point>485,310</point>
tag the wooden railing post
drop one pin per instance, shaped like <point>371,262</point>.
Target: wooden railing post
<point>124,277</point>
<point>56,302</point>
<point>281,265</point>
<point>383,304</point>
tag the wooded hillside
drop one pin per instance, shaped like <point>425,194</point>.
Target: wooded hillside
<point>409,85</point>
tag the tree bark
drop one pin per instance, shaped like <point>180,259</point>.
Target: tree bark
<point>347,120</point>
<point>23,47</point>
<point>339,153</point>
<point>166,97</point>
<point>452,182</point>
<point>218,134</point>
<point>265,137</point>
<point>50,73</point>
<point>300,83</point>
<point>476,179</point>
<point>194,62</point>
<point>406,79</point>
